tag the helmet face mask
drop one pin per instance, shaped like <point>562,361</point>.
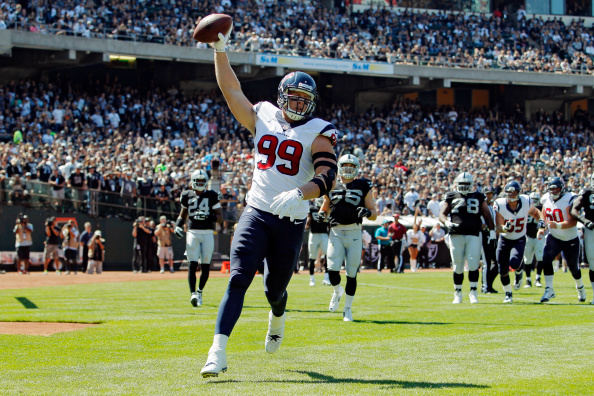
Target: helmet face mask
<point>199,180</point>
<point>297,107</point>
<point>512,191</point>
<point>463,183</point>
<point>555,187</point>
<point>348,166</point>
<point>535,196</point>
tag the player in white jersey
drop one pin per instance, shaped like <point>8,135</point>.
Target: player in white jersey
<point>562,238</point>
<point>511,215</point>
<point>294,162</point>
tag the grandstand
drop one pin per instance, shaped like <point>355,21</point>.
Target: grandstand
<point>422,93</point>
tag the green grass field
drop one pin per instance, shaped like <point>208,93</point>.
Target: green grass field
<point>407,338</point>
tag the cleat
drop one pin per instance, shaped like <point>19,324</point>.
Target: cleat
<point>528,284</point>
<point>194,299</point>
<point>326,282</point>
<point>347,315</point>
<point>312,282</point>
<point>335,300</point>
<point>199,303</point>
<point>473,297</point>
<point>457,297</point>
<point>581,294</point>
<point>274,338</point>
<point>491,291</point>
<point>519,281</point>
<point>537,283</point>
<point>548,294</point>
<point>215,363</point>
<point>508,298</point>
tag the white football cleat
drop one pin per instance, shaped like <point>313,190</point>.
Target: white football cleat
<point>326,283</point>
<point>548,294</point>
<point>519,281</point>
<point>528,284</point>
<point>215,363</point>
<point>473,297</point>
<point>194,299</point>
<point>274,338</point>
<point>537,283</point>
<point>581,294</point>
<point>335,300</point>
<point>199,303</point>
<point>508,298</point>
<point>457,297</point>
<point>347,315</point>
<point>312,281</point>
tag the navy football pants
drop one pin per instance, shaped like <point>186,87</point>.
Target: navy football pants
<point>260,235</point>
<point>570,250</point>
<point>510,253</point>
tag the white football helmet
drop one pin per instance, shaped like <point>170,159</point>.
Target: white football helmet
<point>348,172</point>
<point>199,180</point>
<point>463,183</point>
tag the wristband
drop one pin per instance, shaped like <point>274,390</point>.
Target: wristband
<point>541,224</point>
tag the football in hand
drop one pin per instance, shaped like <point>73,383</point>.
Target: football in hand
<point>209,27</point>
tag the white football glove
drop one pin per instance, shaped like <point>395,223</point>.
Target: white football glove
<point>286,203</point>
<point>507,226</point>
<point>221,44</point>
<point>179,232</point>
<point>492,235</point>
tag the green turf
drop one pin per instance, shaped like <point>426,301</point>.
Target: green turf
<point>407,338</point>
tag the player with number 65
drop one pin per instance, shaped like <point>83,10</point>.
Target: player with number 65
<point>465,207</point>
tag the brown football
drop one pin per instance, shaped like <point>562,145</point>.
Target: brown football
<point>209,27</point>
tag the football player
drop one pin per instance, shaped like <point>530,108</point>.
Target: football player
<point>562,237</point>
<point>511,215</point>
<point>490,270</point>
<point>294,162</point>
<point>534,244</point>
<point>202,208</point>
<point>585,201</point>
<point>318,239</point>
<point>346,206</point>
<point>465,206</point>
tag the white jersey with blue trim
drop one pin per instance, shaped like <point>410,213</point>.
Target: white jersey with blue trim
<point>283,159</point>
<point>559,211</point>
<point>518,218</point>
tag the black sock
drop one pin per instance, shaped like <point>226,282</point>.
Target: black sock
<point>204,273</point>
<point>458,279</point>
<point>278,307</point>
<point>312,266</point>
<point>192,275</point>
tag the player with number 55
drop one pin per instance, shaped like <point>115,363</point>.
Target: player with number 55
<point>465,206</point>
<point>511,217</point>
<point>294,162</point>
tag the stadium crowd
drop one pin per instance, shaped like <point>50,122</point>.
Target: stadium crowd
<point>483,41</point>
<point>110,145</point>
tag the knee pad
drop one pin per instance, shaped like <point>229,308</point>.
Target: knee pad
<point>334,277</point>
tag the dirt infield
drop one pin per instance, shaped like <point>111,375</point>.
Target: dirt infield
<point>12,280</point>
<point>40,328</point>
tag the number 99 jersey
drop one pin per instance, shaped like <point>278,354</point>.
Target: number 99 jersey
<point>283,159</point>
<point>198,205</point>
<point>345,199</point>
<point>559,211</point>
<point>465,210</point>
<point>518,218</point>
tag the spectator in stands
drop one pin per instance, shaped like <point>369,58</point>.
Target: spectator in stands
<point>57,183</point>
<point>434,205</point>
<point>94,181</point>
<point>52,245</point>
<point>423,257</point>
<point>76,184</point>
<point>229,206</point>
<point>411,198</point>
<point>386,253</point>
<point>96,253</point>
<point>23,242</point>
<point>84,239</point>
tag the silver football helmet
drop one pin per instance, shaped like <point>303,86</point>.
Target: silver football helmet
<point>348,172</point>
<point>535,197</point>
<point>199,180</point>
<point>463,183</point>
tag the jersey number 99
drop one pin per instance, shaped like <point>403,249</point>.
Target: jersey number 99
<point>289,150</point>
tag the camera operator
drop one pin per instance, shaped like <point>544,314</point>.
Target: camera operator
<point>70,234</point>
<point>52,245</point>
<point>96,253</point>
<point>142,233</point>
<point>23,242</point>
<point>164,250</point>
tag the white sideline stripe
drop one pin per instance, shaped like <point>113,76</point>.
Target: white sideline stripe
<point>480,295</point>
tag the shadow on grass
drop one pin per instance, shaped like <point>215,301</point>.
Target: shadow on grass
<point>317,378</point>
<point>27,303</point>
<point>404,322</point>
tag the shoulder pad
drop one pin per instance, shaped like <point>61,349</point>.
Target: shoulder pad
<point>331,133</point>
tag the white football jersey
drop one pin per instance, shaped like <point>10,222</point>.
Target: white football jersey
<point>559,211</point>
<point>283,159</point>
<point>518,218</point>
